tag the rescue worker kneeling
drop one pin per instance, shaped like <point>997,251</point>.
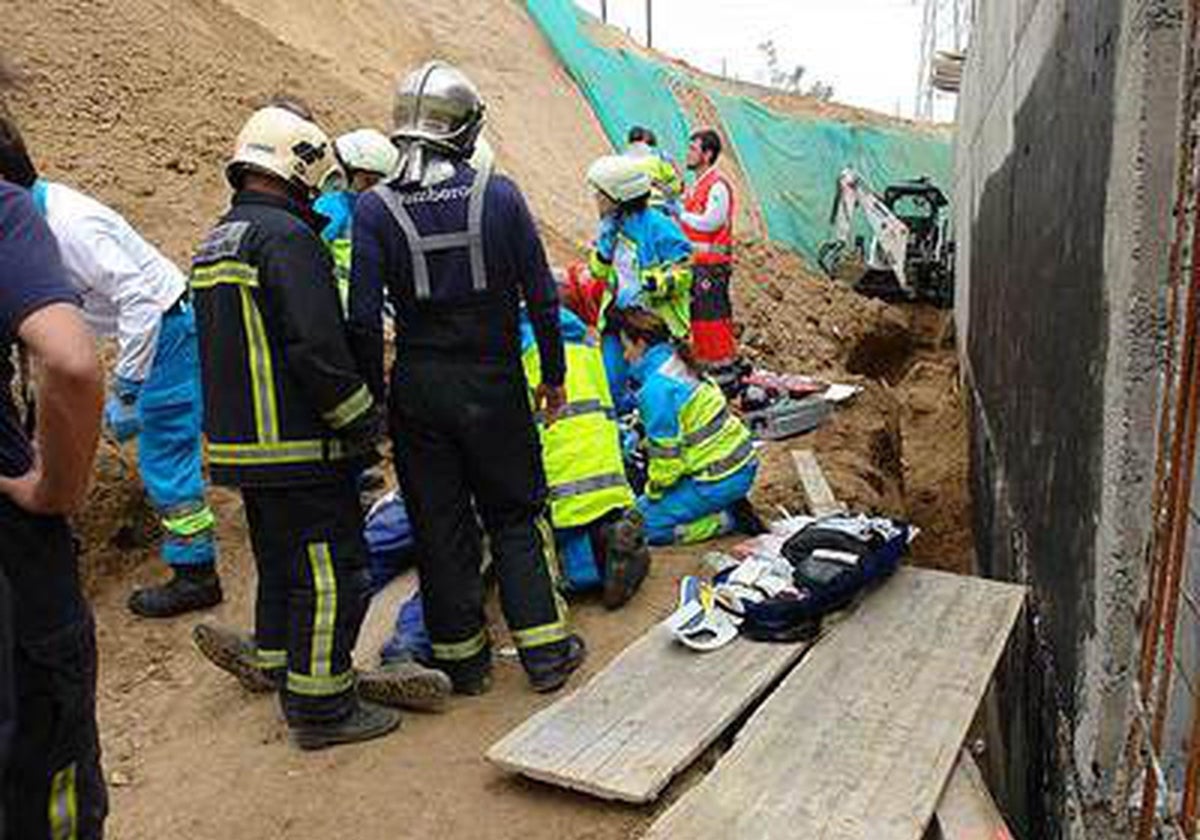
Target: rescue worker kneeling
<point>597,531</point>
<point>289,421</point>
<point>702,461</point>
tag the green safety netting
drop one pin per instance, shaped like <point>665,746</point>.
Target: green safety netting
<point>791,162</point>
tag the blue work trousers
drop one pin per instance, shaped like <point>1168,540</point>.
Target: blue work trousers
<point>169,446</point>
<point>692,511</point>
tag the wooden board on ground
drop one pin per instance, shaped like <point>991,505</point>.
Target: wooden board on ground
<point>858,741</point>
<point>626,732</point>
<point>821,501</point>
<point>967,810</point>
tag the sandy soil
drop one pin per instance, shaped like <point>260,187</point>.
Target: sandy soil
<point>137,101</point>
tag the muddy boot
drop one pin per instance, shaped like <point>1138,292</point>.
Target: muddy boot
<point>626,559</point>
<point>367,722</point>
<point>406,684</point>
<point>234,653</point>
<point>190,588</point>
<point>746,520</point>
<point>549,667</point>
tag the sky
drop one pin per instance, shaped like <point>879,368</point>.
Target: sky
<point>869,50</point>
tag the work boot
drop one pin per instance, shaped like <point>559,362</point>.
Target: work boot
<point>471,678</point>
<point>406,684</point>
<point>546,674</point>
<point>746,520</point>
<point>235,653</point>
<point>367,722</point>
<point>190,588</point>
<point>626,559</point>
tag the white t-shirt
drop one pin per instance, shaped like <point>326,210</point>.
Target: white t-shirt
<point>126,283</point>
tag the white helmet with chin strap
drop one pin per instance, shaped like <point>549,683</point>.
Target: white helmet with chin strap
<point>620,178</point>
<point>279,142</point>
<point>367,150</point>
<point>437,117</point>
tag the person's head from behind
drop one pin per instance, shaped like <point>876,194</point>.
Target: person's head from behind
<point>641,134</point>
<point>703,150</point>
<point>641,329</point>
<point>367,156</point>
<point>620,185</point>
<point>280,151</point>
<point>437,112</point>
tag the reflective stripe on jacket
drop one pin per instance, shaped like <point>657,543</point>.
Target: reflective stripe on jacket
<point>279,380</point>
<point>646,262</point>
<point>690,430</point>
<point>709,246</point>
<point>581,451</point>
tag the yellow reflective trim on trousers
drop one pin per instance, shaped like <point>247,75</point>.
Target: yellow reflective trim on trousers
<point>310,686</point>
<point>546,634</point>
<point>703,529</point>
<point>324,610</point>
<point>550,558</point>
<point>458,651</point>
<point>266,454</point>
<point>191,523</point>
<point>262,378</point>
<point>349,409</point>
<point>225,273</point>
<point>64,805</point>
<point>269,660</point>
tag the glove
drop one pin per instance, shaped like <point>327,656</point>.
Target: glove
<point>364,433</point>
<point>121,414</point>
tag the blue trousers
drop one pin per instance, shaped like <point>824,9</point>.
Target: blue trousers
<point>169,447</point>
<point>694,511</point>
<point>617,370</point>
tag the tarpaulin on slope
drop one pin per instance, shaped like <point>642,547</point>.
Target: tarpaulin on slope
<point>791,162</point>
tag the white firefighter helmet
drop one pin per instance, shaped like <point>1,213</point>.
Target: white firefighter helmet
<point>619,177</point>
<point>438,107</point>
<point>279,142</point>
<point>367,150</point>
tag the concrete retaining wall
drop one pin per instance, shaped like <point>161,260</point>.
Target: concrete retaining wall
<point>1064,172</point>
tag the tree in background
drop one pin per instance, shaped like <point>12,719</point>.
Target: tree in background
<point>791,80</point>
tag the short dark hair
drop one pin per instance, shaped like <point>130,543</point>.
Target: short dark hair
<point>15,164</point>
<point>710,142</point>
<point>291,103</point>
<point>641,134</point>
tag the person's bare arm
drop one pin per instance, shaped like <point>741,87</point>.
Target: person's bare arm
<point>69,399</point>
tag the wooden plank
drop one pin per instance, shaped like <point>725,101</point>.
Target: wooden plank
<point>967,810</point>
<point>858,741</point>
<point>821,501</point>
<point>625,733</point>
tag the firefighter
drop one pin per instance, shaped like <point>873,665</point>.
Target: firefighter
<point>133,293</point>
<point>598,533</point>
<point>702,461</point>
<point>457,250</point>
<point>289,421</point>
<point>366,156</point>
<point>707,219</point>
<point>666,187</point>
<point>642,257</point>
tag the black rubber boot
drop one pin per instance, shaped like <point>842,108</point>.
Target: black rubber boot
<point>549,667</point>
<point>190,588</point>
<point>406,684</point>
<point>234,653</point>
<point>471,677</point>
<point>626,559</point>
<point>367,722</point>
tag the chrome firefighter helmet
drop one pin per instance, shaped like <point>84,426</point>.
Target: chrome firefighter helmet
<point>367,150</point>
<point>620,178</point>
<point>279,142</point>
<point>439,108</point>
